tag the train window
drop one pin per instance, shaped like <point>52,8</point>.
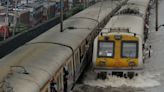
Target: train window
<point>69,65</point>
<point>72,66</point>
<point>59,82</point>
<point>129,49</point>
<point>82,49</point>
<point>106,49</point>
<point>88,39</point>
<point>77,58</point>
<point>92,35</point>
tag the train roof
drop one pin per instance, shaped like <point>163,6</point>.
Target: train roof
<point>134,23</point>
<point>131,16</point>
<point>71,37</point>
<point>136,5</point>
<point>139,2</point>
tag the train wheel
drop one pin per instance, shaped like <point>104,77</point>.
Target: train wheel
<point>130,75</point>
<point>102,75</point>
<point>98,76</point>
<point>125,76</point>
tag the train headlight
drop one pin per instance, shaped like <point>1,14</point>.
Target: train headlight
<point>102,63</point>
<point>132,64</point>
<point>118,37</point>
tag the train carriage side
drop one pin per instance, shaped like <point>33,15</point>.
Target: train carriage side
<point>144,9</point>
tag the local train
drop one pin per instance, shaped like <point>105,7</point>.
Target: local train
<point>119,48</point>
<point>53,61</point>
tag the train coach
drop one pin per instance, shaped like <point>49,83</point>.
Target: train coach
<point>54,60</point>
<point>119,48</point>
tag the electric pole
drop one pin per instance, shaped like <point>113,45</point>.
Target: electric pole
<point>156,27</point>
<point>61,15</point>
<point>6,17</point>
<point>15,18</point>
<point>7,12</point>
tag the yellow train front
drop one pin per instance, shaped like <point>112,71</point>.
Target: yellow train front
<point>117,54</point>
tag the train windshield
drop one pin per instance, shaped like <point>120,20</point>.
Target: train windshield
<point>129,49</point>
<point>106,49</point>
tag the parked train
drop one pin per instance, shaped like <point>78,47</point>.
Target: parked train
<point>119,48</point>
<point>54,60</point>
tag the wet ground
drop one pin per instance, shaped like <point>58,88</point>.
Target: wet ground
<point>108,89</point>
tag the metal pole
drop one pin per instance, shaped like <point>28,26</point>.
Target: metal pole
<point>7,12</point>
<point>73,3</point>
<point>26,1</point>
<point>7,17</point>
<point>15,18</point>
<point>61,15</point>
<point>156,27</point>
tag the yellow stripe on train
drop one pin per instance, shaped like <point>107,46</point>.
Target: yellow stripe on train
<point>109,62</point>
<point>123,37</point>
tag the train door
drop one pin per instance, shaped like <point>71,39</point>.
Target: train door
<point>90,48</point>
<point>56,84</point>
<point>82,51</point>
<point>53,86</point>
<point>68,75</point>
<point>65,78</point>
